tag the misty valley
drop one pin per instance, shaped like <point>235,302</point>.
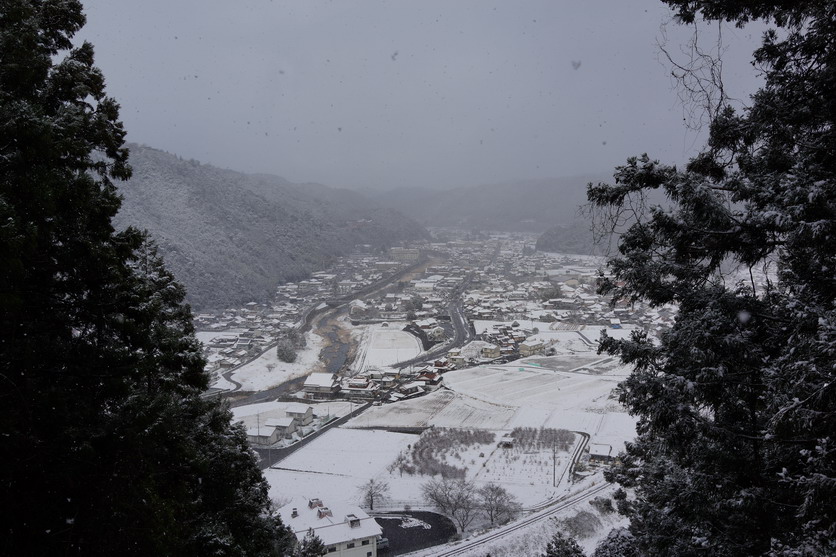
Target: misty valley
<point>473,278</point>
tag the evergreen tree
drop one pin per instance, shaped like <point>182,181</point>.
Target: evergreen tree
<point>108,447</point>
<point>737,405</point>
<point>286,539</point>
<point>285,351</point>
<point>311,546</point>
<point>563,546</point>
<point>618,543</point>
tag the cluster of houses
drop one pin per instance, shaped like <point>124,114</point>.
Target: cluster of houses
<point>502,342</point>
<point>521,284</point>
<point>234,336</point>
<point>418,299</point>
<point>376,384</point>
<point>298,419</point>
<point>499,275</point>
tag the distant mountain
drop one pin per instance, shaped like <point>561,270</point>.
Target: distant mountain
<point>532,205</point>
<point>231,237</point>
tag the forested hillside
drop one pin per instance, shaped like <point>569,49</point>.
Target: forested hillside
<point>230,237</point>
<point>531,205</point>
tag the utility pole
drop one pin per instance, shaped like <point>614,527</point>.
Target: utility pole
<point>554,464</point>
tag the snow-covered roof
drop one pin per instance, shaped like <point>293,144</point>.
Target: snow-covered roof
<point>320,379</point>
<point>297,408</point>
<point>261,431</point>
<point>532,343</point>
<point>473,349</point>
<point>279,422</point>
<point>331,529</point>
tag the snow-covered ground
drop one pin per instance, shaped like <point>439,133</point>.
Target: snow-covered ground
<point>571,390</point>
<point>519,394</point>
<point>575,398</point>
<point>268,371</point>
<point>349,452</point>
<point>498,398</point>
<point>532,539</point>
<point>333,466</point>
<point>440,408</point>
<point>381,347</point>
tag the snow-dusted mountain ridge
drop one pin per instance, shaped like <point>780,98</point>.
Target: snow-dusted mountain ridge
<point>231,237</point>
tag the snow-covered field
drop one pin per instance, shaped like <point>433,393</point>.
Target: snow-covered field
<point>561,392</point>
<point>383,346</point>
<point>571,390</point>
<point>333,466</point>
<point>577,400</point>
<point>441,408</point>
<point>349,452</point>
<point>268,371</point>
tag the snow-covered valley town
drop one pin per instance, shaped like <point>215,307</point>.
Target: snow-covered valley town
<point>474,359</point>
<point>360,279</point>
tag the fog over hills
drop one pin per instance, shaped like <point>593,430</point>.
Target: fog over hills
<point>530,205</point>
<point>576,237</point>
<point>231,237</point>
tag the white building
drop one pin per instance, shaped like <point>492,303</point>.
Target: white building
<point>320,385</point>
<point>302,412</point>
<point>285,427</point>
<point>345,530</point>
<point>262,435</point>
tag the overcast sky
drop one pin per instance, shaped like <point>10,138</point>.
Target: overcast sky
<point>389,94</point>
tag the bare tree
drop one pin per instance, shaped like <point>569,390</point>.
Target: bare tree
<point>455,498</point>
<point>499,505</point>
<point>400,464</point>
<point>374,490</point>
<point>697,72</point>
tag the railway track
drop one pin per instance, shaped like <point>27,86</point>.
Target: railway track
<point>468,546</point>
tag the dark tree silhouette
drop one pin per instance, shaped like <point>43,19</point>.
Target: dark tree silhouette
<point>737,405</point>
<point>108,448</point>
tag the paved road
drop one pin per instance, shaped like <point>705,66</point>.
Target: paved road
<point>462,333</point>
<point>412,538</point>
<point>286,388</point>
